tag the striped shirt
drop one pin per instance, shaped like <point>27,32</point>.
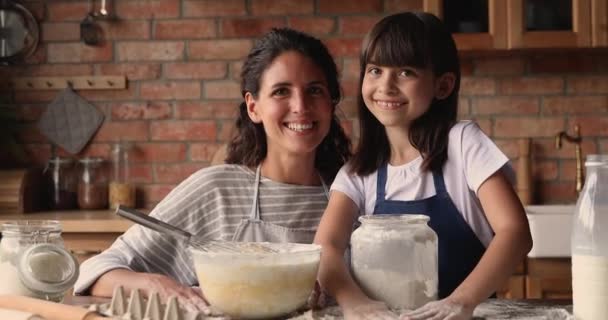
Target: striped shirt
<point>209,204</point>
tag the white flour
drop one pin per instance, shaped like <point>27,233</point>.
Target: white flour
<point>10,282</point>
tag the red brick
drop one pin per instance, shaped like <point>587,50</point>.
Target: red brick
<point>60,32</point>
<point>29,133</point>
<point>122,131</point>
<point>531,85</point>
<point>357,25</point>
<point>588,84</point>
<point>466,67</point>
<point>185,29</point>
<point>545,148</point>
<point>203,151</point>
<point>603,146</point>
<point>341,47</point>
<point>556,192</point>
<point>183,130</point>
<point>590,126</point>
<point>485,125</point>
<point>141,110</point>
<point>125,30</point>
<point>499,67</point>
<point>226,131</point>
<point>28,112</point>
<point>170,90</point>
<point>206,109</point>
<point>36,8</point>
<point>545,170</point>
<point>176,173</point>
<point>574,105</point>
<point>159,152</point>
<point>153,193</point>
<point>219,49</point>
<point>106,95</point>
<point>393,6</point>
<point>351,69</point>
<point>248,27</point>
<point>52,70</point>
<point>527,127</point>
<point>141,173</point>
<point>567,170</point>
<point>196,70</point>
<point>223,89</point>
<point>506,105</point>
<point>34,96</point>
<point>79,52</point>
<point>36,154</point>
<point>214,8</point>
<point>510,148</point>
<point>39,56</point>
<point>561,64</point>
<point>464,106</point>
<point>313,25</point>
<point>96,150</point>
<point>235,70</point>
<point>67,11</point>
<point>150,50</point>
<point>281,7</point>
<point>477,86</point>
<point>350,88</point>
<point>143,9</point>
<point>361,6</point>
<point>133,71</point>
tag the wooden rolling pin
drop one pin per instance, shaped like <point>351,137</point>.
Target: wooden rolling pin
<point>47,309</point>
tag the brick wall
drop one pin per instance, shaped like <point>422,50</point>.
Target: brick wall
<point>182,60</point>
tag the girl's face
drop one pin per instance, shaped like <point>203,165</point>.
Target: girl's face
<point>396,96</point>
<point>293,104</point>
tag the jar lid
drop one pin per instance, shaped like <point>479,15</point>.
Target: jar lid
<point>91,160</point>
<point>47,268</point>
<point>60,160</point>
<point>37,228</point>
<point>394,218</point>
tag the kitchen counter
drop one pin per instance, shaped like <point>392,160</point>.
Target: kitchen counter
<point>81,221</point>
<point>491,309</point>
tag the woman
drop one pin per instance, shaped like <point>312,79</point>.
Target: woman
<point>289,147</point>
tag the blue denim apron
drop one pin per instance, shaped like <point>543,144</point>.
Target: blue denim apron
<point>459,247</point>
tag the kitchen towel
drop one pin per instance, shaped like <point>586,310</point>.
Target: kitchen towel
<point>69,121</point>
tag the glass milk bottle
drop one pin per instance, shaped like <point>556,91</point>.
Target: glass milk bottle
<point>394,259</point>
<point>590,243</point>
<point>34,262</point>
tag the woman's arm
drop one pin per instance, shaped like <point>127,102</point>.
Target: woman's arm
<point>510,245</point>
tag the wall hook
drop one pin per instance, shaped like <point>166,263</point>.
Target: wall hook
<point>90,83</point>
<point>49,84</point>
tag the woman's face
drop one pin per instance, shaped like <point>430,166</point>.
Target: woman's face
<point>293,104</point>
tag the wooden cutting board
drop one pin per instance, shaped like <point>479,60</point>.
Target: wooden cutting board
<point>22,191</point>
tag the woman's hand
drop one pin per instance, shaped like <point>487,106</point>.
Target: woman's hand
<point>189,298</point>
<point>372,310</point>
<point>443,309</point>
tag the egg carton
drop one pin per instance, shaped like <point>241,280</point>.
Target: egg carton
<point>138,307</point>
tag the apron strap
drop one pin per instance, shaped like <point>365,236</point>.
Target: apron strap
<point>255,210</point>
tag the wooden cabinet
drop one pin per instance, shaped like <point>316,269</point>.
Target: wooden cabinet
<point>517,24</point>
<point>514,288</point>
<point>549,278</point>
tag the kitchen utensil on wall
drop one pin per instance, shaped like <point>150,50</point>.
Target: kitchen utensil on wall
<point>90,32</point>
<point>69,121</point>
<point>19,33</point>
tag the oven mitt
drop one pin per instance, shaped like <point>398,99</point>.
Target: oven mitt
<point>69,121</point>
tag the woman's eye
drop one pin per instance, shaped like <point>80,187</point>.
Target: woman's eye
<point>280,92</point>
<point>316,90</point>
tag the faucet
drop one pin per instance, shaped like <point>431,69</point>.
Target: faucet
<point>576,139</point>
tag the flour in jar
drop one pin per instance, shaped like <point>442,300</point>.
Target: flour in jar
<point>590,287</point>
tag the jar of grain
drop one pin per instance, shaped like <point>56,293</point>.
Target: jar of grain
<point>122,191</point>
<point>93,184</point>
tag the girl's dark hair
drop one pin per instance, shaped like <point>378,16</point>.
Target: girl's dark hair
<point>249,147</point>
<point>416,39</point>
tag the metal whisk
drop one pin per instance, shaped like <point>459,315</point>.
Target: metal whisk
<point>200,244</point>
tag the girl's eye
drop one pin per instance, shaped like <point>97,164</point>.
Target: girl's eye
<point>373,70</point>
<point>407,73</point>
<point>280,92</point>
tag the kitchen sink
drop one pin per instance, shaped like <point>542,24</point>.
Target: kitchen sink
<point>551,227</point>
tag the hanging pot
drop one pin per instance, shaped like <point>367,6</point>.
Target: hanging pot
<point>19,32</point>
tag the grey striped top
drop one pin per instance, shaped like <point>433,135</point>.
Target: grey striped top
<point>210,203</point>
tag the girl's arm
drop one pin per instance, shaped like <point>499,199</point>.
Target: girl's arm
<point>510,245</point>
<point>333,235</point>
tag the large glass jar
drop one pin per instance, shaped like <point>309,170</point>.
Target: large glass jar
<point>590,243</point>
<point>62,183</point>
<point>394,259</point>
<point>93,184</point>
<point>122,191</point>
<point>34,262</point>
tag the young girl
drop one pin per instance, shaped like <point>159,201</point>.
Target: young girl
<point>289,145</point>
<point>414,156</point>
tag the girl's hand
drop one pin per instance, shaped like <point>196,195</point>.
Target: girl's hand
<point>189,298</point>
<point>373,310</point>
<point>442,309</point>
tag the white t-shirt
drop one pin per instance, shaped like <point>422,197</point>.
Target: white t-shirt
<point>472,158</point>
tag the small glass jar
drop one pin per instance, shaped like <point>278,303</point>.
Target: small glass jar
<point>93,184</point>
<point>122,191</point>
<point>394,259</point>
<point>34,262</point>
<point>62,183</point>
